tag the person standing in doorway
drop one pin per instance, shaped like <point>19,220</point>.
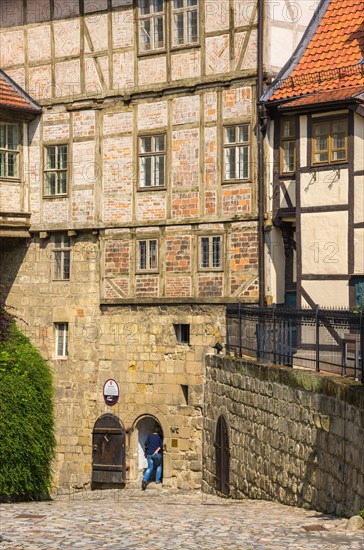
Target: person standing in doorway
<point>153,449</point>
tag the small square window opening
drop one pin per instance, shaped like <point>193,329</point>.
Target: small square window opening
<point>182,333</point>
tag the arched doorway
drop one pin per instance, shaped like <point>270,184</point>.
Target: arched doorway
<point>222,456</point>
<point>108,453</point>
<point>144,427</point>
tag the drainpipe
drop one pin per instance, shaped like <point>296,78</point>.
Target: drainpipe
<point>261,126</point>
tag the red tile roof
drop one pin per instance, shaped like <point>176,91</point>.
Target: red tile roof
<point>14,98</point>
<point>332,57</point>
<point>326,96</point>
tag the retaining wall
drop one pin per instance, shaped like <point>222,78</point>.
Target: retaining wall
<point>294,436</point>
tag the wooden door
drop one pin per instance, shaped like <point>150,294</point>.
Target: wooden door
<point>108,453</point>
<point>222,457</point>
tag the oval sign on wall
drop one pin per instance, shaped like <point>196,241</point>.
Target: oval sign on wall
<point>111,392</point>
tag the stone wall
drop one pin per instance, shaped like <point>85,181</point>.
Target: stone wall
<point>159,377</point>
<point>294,436</point>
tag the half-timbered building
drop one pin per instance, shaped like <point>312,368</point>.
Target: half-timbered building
<point>138,188</point>
<point>316,109</point>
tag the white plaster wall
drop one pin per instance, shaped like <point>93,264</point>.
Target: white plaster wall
<point>324,238</point>
<point>327,293</point>
<point>328,189</point>
<point>275,266</point>
<point>291,188</point>
<point>359,199</point>
<point>359,251</point>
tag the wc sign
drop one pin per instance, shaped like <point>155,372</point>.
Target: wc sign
<point>111,392</point>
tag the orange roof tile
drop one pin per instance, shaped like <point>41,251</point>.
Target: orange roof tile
<point>13,97</point>
<point>332,58</point>
<point>325,96</point>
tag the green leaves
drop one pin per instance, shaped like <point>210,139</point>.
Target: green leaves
<point>27,440</point>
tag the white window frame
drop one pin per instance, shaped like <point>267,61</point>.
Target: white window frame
<point>61,347</point>
<point>6,151</point>
<point>185,11</point>
<point>152,18</point>
<point>151,156</point>
<point>57,170</point>
<point>61,257</point>
<point>239,147</point>
<point>148,265</point>
<point>210,240</point>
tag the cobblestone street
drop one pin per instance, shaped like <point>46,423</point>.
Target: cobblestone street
<point>163,519</point>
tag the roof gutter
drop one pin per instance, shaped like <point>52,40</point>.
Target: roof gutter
<point>260,126</point>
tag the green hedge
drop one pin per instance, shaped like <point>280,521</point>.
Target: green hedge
<point>27,439</point>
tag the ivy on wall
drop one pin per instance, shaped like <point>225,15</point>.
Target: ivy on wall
<point>27,440</point>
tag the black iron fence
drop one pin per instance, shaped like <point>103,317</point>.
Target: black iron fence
<point>330,340</point>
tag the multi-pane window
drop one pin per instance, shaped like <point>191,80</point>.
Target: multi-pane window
<point>55,172</point>
<point>148,255</point>
<point>211,252</point>
<point>152,156</point>
<point>9,150</point>
<point>61,257</point>
<point>185,22</point>
<point>61,330</point>
<point>236,152</point>
<point>330,141</point>
<point>288,146</point>
<point>151,25</point>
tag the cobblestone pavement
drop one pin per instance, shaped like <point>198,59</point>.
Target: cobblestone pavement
<point>161,519</point>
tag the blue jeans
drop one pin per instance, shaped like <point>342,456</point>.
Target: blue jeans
<point>154,460</point>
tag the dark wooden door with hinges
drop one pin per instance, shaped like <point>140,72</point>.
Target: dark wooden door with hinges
<point>108,453</point>
<point>222,455</point>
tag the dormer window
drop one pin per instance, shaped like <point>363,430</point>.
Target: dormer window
<point>9,150</point>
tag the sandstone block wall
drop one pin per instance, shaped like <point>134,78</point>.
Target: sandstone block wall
<point>158,376</point>
<point>294,436</point>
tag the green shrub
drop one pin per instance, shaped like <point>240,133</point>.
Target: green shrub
<point>27,440</point>
<point>361,514</point>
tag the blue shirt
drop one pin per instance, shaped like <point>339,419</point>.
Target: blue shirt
<point>152,443</point>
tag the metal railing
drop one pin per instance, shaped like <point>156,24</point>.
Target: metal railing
<point>328,340</point>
